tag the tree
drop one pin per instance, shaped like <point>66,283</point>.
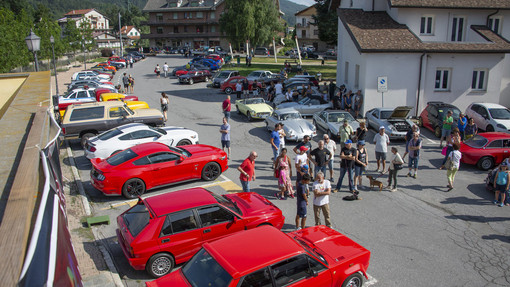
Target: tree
<point>14,28</point>
<point>327,22</point>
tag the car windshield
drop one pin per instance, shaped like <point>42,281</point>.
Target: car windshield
<point>386,114</point>
<point>158,130</point>
<point>109,134</point>
<point>455,111</point>
<point>290,116</point>
<point>180,151</point>
<point>129,109</point>
<point>311,250</point>
<point>304,101</point>
<point>500,114</point>
<point>136,218</point>
<point>227,202</point>
<point>339,117</point>
<point>121,157</point>
<point>477,141</point>
<point>254,101</point>
<point>204,270</point>
<point>223,75</point>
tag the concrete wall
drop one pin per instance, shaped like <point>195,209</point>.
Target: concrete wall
<point>379,5</point>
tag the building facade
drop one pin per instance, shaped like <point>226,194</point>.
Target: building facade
<point>97,21</point>
<point>306,31</point>
<point>452,51</point>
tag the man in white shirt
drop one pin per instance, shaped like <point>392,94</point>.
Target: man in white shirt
<point>381,141</point>
<point>239,89</point>
<point>331,146</point>
<point>278,88</point>
<point>321,191</point>
<point>165,69</point>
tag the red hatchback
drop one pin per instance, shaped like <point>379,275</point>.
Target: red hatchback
<point>486,149</point>
<point>169,229</point>
<point>134,170</point>
<point>314,256</point>
<point>229,86</point>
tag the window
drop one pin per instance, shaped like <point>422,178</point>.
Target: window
<point>303,34</point>
<point>479,80</point>
<point>118,112</point>
<point>356,77</point>
<point>291,270</point>
<point>495,24</point>
<point>316,32</point>
<point>176,15</point>
<point>200,29</point>
<point>137,218</point>
<point>159,30</point>
<point>442,79</point>
<point>176,29</point>
<point>163,157</point>
<point>346,72</point>
<point>159,17</point>
<point>458,28</point>
<point>185,29</point>
<point>141,134</point>
<point>213,15</point>
<point>213,28</point>
<point>87,114</point>
<point>303,22</point>
<point>200,15</point>
<point>426,26</point>
<point>213,215</point>
<point>260,278</point>
<point>496,144</point>
<point>179,222</point>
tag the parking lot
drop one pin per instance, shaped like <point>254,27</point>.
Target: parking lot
<point>420,235</point>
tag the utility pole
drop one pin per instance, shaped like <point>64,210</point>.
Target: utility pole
<point>120,35</point>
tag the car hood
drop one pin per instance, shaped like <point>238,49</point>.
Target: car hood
<point>298,125</point>
<point>175,279</point>
<point>337,126</point>
<point>287,105</point>
<point>260,108</point>
<point>252,203</point>
<point>148,112</point>
<point>401,112</point>
<point>201,150</point>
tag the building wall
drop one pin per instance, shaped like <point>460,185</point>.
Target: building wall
<point>310,30</point>
<point>364,4</point>
<point>97,20</point>
<point>347,52</point>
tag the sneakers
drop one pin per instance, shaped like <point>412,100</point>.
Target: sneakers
<point>277,196</point>
<point>501,204</point>
<point>414,176</point>
<point>495,202</point>
<point>331,179</point>
<point>393,189</point>
<point>291,195</point>
<point>334,190</point>
<point>409,174</point>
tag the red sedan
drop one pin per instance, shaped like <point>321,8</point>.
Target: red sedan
<point>133,171</point>
<point>314,256</point>
<point>168,229</point>
<point>229,86</point>
<point>486,149</point>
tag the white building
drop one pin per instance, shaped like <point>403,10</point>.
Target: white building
<point>453,51</point>
<point>97,21</point>
<point>306,31</point>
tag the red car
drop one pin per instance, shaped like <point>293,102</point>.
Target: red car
<point>265,256</point>
<point>170,228</point>
<point>134,170</point>
<point>432,116</point>
<point>229,86</point>
<point>486,149</point>
<point>116,59</point>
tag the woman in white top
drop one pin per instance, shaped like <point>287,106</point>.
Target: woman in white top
<point>452,168</point>
<point>164,105</point>
<point>396,159</point>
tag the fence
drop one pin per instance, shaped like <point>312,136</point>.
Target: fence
<point>63,63</point>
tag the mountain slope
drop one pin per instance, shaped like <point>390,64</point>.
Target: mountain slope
<point>289,9</point>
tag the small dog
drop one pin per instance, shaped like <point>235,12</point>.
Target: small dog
<point>374,182</point>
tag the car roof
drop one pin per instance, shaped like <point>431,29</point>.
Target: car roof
<point>231,251</point>
<point>106,104</point>
<point>179,200</point>
<point>490,105</point>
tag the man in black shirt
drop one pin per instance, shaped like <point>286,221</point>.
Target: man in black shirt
<point>302,201</point>
<point>306,142</point>
<point>322,157</point>
<point>348,156</point>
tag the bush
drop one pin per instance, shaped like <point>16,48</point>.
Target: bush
<point>106,52</point>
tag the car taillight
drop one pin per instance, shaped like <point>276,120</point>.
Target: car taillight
<point>92,148</point>
<point>131,251</point>
<point>64,130</point>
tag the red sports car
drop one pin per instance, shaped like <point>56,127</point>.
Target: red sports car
<point>168,229</point>
<point>486,149</point>
<point>229,86</point>
<point>134,170</point>
<point>265,256</point>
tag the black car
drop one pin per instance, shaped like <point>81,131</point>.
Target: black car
<point>194,77</point>
<point>432,116</point>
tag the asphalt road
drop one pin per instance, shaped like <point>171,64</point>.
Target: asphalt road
<point>420,235</point>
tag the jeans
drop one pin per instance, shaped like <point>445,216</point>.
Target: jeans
<point>276,152</point>
<point>392,175</point>
<point>350,173</point>
<point>227,114</point>
<point>320,168</point>
<point>245,185</point>
<point>317,213</point>
<point>413,162</point>
<point>449,149</point>
<point>330,164</point>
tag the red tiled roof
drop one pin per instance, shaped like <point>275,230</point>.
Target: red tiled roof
<point>78,12</point>
<point>126,29</point>
<point>452,4</point>
<point>374,32</point>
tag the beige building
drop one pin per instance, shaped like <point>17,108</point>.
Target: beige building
<point>97,21</point>
<point>306,31</point>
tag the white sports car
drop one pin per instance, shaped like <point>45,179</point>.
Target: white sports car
<point>122,137</point>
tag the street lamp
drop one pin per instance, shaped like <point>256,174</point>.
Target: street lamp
<point>52,41</point>
<point>84,57</point>
<point>34,44</point>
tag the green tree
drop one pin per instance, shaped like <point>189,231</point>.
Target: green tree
<point>71,36</point>
<point>327,22</point>
<point>14,28</point>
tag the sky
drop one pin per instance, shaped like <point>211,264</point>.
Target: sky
<point>304,2</point>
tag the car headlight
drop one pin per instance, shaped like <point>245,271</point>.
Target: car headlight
<point>393,129</point>
<point>501,126</point>
<point>223,158</point>
<point>290,132</point>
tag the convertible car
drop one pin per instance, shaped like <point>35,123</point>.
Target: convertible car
<point>254,108</point>
<point>307,106</point>
<point>331,121</point>
<point>396,121</point>
<point>294,125</point>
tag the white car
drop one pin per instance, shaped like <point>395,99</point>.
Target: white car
<point>294,126</point>
<point>78,96</point>
<point>126,136</point>
<point>89,74</point>
<point>259,75</point>
<point>490,117</point>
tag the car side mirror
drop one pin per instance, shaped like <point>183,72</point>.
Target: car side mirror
<point>315,273</point>
<point>181,159</point>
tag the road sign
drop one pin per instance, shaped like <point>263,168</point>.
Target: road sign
<point>382,84</point>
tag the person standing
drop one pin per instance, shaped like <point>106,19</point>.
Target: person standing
<point>381,141</point>
<point>348,101</point>
<point>165,69</point>
<point>395,160</point>
<point>331,146</point>
<point>321,192</point>
<point>346,132</point>
<point>226,107</point>
<point>239,89</point>
<point>301,164</point>
<point>225,136</point>
<point>283,165</point>
<point>358,102</point>
<point>306,143</point>
<point>454,158</point>
<point>322,157</point>
<point>414,146</point>
<point>278,88</point>
<point>302,201</point>
<point>336,99</point>
<point>157,70</point>
<point>275,142</point>
<point>409,136</point>
<point>131,63</point>
<point>461,125</point>
<point>131,84</point>
<point>361,131</point>
<point>164,105</point>
<point>255,89</point>
<point>247,170</point>
<point>282,136</point>
<point>125,82</point>
<point>471,129</point>
<point>501,183</point>
<point>246,89</point>
<point>348,155</point>
<point>447,127</point>
<point>360,164</point>
<point>332,88</point>
<point>451,139</point>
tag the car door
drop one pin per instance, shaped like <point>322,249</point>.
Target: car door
<point>217,222</point>
<point>313,106</point>
<point>180,235</point>
<point>498,149</point>
<point>323,121</point>
<point>484,117</point>
<point>118,116</point>
<point>301,270</point>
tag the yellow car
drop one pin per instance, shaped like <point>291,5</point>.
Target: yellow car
<point>254,108</point>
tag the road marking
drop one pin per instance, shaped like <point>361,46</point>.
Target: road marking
<point>371,281</point>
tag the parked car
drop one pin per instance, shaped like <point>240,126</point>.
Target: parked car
<point>253,108</point>
<point>294,126</point>
<point>90,84</point>
<point>331,52</point>
<point>259,75</point>
<point>195,77</point>
<point>116,59</point>
<point>308,105</point>
<point>168,229</point>
<point>432,116</point>
<point>261,51</point>
<point>396,121</point>
<point>90,119</point>
<point>295,87</point>
<point>331,122</point>
<point>485,150</point>
<point>223,76</point>
<point>126,136</point>
<point>106,66</point>
<point>212,64</point>
<point>309,54</point>
<point>91,74</point>
<point>229,85</point>
<point>490,117</point>
<point>137,169</point>
<point>265,256</point>
<point>311,78</point>
<point>76,96</point>
<point>182,70</point>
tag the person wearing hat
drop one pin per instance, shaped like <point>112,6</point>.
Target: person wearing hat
<point>501,183</point>
<point>360,165</point>
<point>381,141</point>
<point>348,155</point>
<point>346,131</point>
<point>301,163</point>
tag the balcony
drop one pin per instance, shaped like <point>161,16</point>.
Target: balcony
<point>182,21</point>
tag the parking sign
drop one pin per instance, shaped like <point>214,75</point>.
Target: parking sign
<point>382,84</point>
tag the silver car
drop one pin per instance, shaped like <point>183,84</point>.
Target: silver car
<point>331,122</point>
<point>309,105</point>
<point>395,121</point>
<point>294,125</point>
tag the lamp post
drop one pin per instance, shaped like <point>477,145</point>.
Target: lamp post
<point>52,41</point>
<point>34,44</point>
<point>84,56</point>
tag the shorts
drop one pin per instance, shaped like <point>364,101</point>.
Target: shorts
<point>301,208</point>
<point>380,155</point>
<point>413,162</point>
<point>330,164</point>
<point>164,108</point>
<point>276,152</point>
<point>359,170</point>
<point>225,144</point>
<point>126,86</point>
<point>445,133</point>
<point>501,188</point>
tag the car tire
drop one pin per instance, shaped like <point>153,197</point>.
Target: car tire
<point>191,81</point>
<point>437,132</point>
<point>267,126</point>
<point>184,142</point>
<point>228,91</point>
<point>211,171</point>
<point>85,137</point>
<point>355,280</point>
<point>250,118</point>
<point>485,163</point>
<point>133,188</point>
<point>160,264</point>
<point>489,129</point>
